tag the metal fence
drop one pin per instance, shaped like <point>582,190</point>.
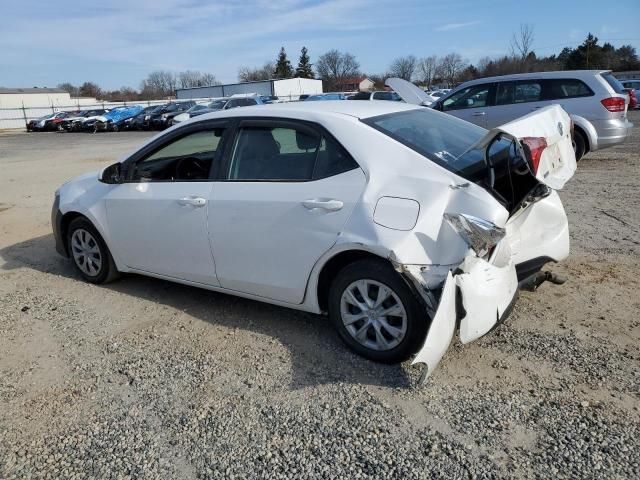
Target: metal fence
<point>14,118</point>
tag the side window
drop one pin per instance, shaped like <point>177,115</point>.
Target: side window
<point>567,88</point>
<point>527,92</point>
<point>471,97</point>
<point>266,153</point>
<point>231,104</point>
<point>504,93</point>
<point>187,158</point>
<point>332,159</point>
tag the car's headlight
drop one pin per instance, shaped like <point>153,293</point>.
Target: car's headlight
<point>163,116</point>
<point>479,234</point>
<point>147,117</point>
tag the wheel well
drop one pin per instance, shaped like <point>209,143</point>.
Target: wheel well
<point>67,218</point>
<point>333,267</point>
<point>578,129</point>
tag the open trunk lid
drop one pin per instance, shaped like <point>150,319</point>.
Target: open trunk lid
<point>546,137</point>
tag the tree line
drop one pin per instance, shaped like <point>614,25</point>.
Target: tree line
<point>334,68</point>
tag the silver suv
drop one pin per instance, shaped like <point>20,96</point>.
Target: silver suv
<point>595,99</point>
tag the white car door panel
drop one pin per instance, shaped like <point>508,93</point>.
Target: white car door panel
<point>266,236</point>
<point>162,228</point>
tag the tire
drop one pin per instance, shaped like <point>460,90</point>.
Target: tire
<point>115,128</point>
<point>579,145</point>
<point>82,240</point>
<point>402,332</point>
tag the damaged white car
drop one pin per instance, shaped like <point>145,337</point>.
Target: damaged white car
<point>402,223</point>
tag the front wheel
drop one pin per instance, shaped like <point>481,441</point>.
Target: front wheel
<point>376,313</point>
<point>89,253</point>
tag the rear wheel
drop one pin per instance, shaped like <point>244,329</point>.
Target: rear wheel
<point>89,253</point>
<point>579,145</point>
<point>376,313</point>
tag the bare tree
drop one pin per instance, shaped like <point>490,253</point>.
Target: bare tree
<point>89,89</point>
<point>69,87</point>
<point>403,67</point>
<point>248,74</point>
<point>450,67</point>
<point>427,68</point>
<point>522,41</point>
<point>190,78</point>
<point>161,83</point>
<point>334,66</point>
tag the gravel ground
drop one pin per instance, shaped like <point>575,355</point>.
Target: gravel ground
<point>148,379</point>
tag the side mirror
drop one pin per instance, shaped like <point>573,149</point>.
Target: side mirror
<point>112,174</point>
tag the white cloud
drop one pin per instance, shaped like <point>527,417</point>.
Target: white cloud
<point>455,26</point>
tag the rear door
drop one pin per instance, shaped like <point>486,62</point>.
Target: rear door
<point>288,190</point>
<point>514,99</point>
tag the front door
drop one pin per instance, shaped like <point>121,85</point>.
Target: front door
<point>288,192</point>
<point>158,218</point>
<point>472,104</point>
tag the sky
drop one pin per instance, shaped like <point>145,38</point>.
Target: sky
<point>118,42</point>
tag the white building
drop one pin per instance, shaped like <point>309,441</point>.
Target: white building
<point>285,89</point>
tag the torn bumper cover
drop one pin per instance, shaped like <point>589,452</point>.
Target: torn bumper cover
<point>487,293</point>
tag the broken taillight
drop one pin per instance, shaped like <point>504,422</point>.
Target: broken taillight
<point>614,104</point>
<point>534,146</point>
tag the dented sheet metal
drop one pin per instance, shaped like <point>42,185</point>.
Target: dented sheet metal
<point>486,292</point>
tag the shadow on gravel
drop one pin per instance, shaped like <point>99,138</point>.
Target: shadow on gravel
<point>318,356</point>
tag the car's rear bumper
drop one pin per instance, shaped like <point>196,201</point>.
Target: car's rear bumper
<point>612,132</point>
<point>477,297</point>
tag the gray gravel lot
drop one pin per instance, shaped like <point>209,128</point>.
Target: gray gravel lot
<point>147,379</point>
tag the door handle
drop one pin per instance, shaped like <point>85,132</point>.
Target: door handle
<point>478,114</point>
<point>328,205</point>
<point>193,201</point>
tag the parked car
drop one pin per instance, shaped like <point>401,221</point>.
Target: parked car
<point>304,96</point>
<point>200,109</point>
<point>325,96</point>
<point>74,123</point>
<point>633,98</point>
<point>635,84</point>
<point>162,118</point>
<point>595,99</point>
<point>381,95</point>
<point>142,121</point>
<point>307,211</point>
<point>116,119</point>
<point>48,123</point>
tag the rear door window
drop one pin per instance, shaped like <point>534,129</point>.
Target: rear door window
<point>529,91</point>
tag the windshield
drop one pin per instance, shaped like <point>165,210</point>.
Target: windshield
<point>195,108</point>
<point>441,138</point>
<point>217,105</point>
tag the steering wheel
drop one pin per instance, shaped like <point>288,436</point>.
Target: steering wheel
<point>191,168</point>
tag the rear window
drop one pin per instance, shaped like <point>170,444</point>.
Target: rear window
<point>443,139</point>
<point>613,82</point>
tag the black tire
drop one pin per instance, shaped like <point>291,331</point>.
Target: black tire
<point>417,320</point>
<point>106,272</point>
<point>579,145</point>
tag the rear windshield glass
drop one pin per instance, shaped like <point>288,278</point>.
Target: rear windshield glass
<point>441,138</point>
<point>613,82</point>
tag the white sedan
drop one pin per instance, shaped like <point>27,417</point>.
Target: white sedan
<point>402,223</point>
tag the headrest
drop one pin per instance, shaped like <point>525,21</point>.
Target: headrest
<point>304,141</point>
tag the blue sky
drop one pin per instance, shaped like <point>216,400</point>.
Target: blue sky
<point>117,42</point>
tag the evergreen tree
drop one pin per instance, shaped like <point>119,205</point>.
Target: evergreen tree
<point>283,66</point>
<point>304,69</point>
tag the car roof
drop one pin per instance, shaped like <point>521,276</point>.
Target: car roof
<point>523,76</point>
<point>330,107</point>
